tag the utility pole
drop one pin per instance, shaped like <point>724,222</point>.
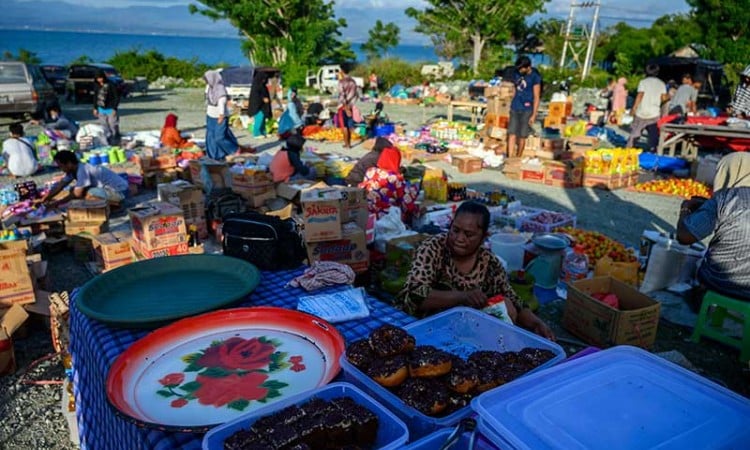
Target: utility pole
<point>592,42</point>
<point>571,38</point>
<point>568,27</point>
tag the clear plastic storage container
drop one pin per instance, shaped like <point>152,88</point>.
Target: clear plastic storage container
<point>620,398</point>
<point>461,331</point>
<point>392,433</point>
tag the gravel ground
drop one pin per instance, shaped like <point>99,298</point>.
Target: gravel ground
<point>31,415</point>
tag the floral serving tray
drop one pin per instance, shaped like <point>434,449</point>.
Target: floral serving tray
<point>208,369</point>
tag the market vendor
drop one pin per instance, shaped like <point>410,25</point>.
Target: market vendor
<point>370,159</point>
<point>726,266</point>
<point>455,269</point>
<point>740,105</point>
<point>386,187</point>
<point>171,136</point>
<point>287,164</point>
<point>90,181</point>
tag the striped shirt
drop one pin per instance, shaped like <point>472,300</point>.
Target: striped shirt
<point>347,91</point>
<point>726,268</point>
<point>741,101</point>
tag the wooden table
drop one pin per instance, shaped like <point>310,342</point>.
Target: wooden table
<point>685,138</point>
<point>477,109</point>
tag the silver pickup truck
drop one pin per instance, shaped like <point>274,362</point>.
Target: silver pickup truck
<point>24,90</point>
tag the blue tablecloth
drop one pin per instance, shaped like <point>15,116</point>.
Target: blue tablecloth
<point>94,346</point>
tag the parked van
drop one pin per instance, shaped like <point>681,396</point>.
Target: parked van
<point>24,90</point>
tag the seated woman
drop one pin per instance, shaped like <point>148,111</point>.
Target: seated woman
<point>171,136</point>
<point>726,266</point>
<point>290,121</point>
<point>287,165</point>
<point>357,174</point>
<point>454,269</point>
<point>386,187</point>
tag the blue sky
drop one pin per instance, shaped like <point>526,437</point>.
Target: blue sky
<point>361,14</point>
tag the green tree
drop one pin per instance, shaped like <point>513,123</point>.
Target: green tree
<point>83,59</point>
<point>546,35</point>
<point>291,34</point>
<point>382,37</point>
<point>23,55</point>
<point>724,27</point>
<point>481,22</point>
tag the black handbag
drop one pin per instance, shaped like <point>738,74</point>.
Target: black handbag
<point>266,241</point>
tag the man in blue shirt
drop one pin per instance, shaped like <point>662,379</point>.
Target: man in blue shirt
<point>525,105</point>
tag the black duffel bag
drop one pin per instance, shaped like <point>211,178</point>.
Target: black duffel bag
<point>266,241</point>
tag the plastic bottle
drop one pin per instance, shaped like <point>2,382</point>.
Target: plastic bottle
<point>193,240</point>
<point>575,265</point>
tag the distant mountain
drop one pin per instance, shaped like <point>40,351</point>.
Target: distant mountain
<point>64,16</point>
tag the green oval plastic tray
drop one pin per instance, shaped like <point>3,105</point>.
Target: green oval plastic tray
<point>149,293</point>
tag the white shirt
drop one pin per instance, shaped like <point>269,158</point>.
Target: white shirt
<point>19,157</point>
<point>97,176</point>
<point>219,110</point>
<point>650,106</point>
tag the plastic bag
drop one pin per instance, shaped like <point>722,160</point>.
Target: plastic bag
<point>669,264</point>
<point>496,307</point>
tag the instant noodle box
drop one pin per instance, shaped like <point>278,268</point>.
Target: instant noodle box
<point>321,214</point>
<point>351,249</point>
<point>158,225</point>
<point>16,286</point>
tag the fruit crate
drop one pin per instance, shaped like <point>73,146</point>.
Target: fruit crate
<point>546,222</point>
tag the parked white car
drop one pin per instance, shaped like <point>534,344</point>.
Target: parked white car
<point>327,79</point>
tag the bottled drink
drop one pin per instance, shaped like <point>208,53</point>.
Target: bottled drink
<point>193,239</point>
<point>575,265</point>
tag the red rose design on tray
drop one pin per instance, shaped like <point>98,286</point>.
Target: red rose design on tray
<point>230,373</point>
<point>220,391</point>
<point>238,353</point>
<point>173,379</point>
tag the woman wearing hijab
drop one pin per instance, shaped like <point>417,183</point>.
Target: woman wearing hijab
<point>220,141</point>
<point>260,103</point>
<point>386,187</point>
<point>619,100</point>
<point>370,159</point>
<point>291,121</point>
<point>171,136</point>
<point>726,266</point>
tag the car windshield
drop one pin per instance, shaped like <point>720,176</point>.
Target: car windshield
<point>12,73</point>
<point>54,71</point>
<point>111,73</point>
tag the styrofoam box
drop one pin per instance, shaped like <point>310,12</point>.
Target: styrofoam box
<point>460,331</point>
<point>392,433</point>
<point>437,439</point>
<point>619,398</point>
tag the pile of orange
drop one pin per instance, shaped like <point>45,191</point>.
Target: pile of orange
<point>685,188</point>
<point>597,245</point>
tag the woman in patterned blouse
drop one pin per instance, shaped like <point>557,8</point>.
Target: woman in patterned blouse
<point>454,269</point>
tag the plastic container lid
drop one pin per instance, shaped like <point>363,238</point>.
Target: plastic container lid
<point>621,398</point>
<point>392,433</point>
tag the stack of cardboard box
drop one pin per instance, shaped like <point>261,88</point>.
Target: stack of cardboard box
<point>612,168</point>
<point>334,222</point>
<point>87,216</point>
<point>16,285</point>
<point>498,114</point>
<point>217,172</point>
<point>158,165</point>
<point>546,148</point>
<point>557,114</point>
<point>190,199</point>
<point>158,230</point>
<point>255,186</point>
